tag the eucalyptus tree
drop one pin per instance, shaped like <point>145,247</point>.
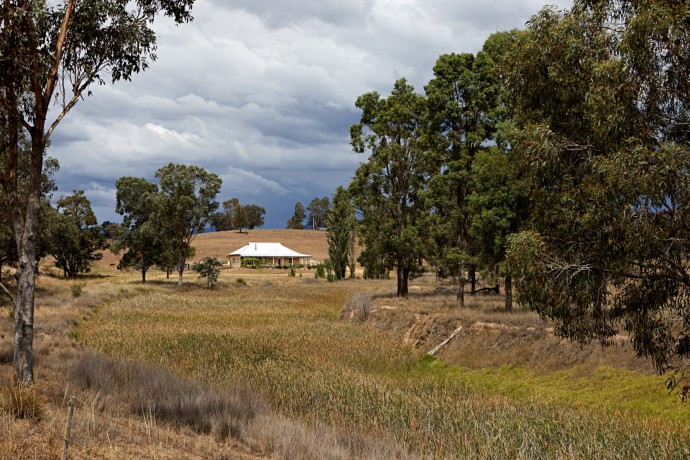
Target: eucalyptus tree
<point>387,188</point>
<point>187,202</point>
<point>463,113</point>
<point>296,222</point>
<point>52,54</point>
<point>141,236</point>
<point>498,205</point>
<point>318,212</point>
<point>254,216</point>
<point>73,236</point>
<point>599,95</point>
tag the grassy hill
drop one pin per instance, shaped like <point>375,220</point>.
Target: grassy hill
<point>220,244</point>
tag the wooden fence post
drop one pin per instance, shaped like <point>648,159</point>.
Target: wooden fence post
<point>68,429</point>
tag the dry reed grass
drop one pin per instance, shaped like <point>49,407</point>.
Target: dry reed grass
<point>282,338</point>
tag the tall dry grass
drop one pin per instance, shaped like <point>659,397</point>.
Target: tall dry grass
<point>283,339</point>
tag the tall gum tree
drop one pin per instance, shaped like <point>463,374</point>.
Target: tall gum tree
<point>600,96</point>
<point>187,202</point>
<point>387,187</point>
<point>51,57</point>
<point>464,110</point>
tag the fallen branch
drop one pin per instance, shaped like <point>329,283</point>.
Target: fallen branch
<point>445,342</point>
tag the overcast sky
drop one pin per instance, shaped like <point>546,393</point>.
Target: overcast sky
<point>262,92</point>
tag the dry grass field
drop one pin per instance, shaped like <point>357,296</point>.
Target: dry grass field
<point>271,366</point>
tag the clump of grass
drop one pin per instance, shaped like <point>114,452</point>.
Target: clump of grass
<point>20,401</point>
<point>357,307</point>
<point>241,281</point>
<point>153,390</point>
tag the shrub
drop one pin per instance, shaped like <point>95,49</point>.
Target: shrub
<point>76,289</point>
<point>241,281</point>
<point>208,268</point>
<point>320,271</point>
<point>292,272</point>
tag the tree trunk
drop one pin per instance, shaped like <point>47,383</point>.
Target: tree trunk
<point>509,293</point>
<point>473,279</point>
<point>24,318</point>
<point>461,286</point>
<point>26,237</point>
<point>403,276</point>
<point>143,275</point>
<point>180,268</point>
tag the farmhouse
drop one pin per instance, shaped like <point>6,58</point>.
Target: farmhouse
<point>267,254</point>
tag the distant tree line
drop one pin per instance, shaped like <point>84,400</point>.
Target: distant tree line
<point>317,218</point>
<point>161,220</point>
<point>236,216</point>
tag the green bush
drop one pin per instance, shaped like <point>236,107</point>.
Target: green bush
<point>76,289</point>
<point>208,268</point>
<point>292,272</point>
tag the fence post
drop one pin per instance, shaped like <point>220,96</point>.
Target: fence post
<point>68,429</point>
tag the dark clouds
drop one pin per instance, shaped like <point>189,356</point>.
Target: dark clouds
<point>262,93</point>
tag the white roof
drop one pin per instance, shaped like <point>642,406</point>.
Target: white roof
<point>266,250</point>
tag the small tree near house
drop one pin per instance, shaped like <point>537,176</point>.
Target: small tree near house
<point>208,268</point>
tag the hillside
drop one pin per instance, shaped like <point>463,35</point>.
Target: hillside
<point>219,244</point>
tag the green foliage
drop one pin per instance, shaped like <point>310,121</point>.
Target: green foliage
<point>296,222</point>
<point>252,262</point>
<point>76,289</point>
<point>602,136</point>
<point>236,216</point>
<point>292,273</point>
<point>320,271</point>
<point>73,236</point>
<point>141,234</point>
<point>328,267</point>
<point>340,233</point>
<point>209,268</point>
<point>318,212</point>
<point>387,188</point>
<point>187,201</point>
<point>464,111</point>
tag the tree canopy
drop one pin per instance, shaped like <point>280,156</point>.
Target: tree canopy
<point>387,187</point>
<point>187,201</point>
<point>52,53</point>
<point>141,236</point>
<point>296,222</point>
<point>600,105</point>
<point>73,236</point>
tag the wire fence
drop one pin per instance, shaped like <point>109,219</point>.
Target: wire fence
<point>84,422</point>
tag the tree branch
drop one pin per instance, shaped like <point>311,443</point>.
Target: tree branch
<point>4,289</point>
<point>53,74</point>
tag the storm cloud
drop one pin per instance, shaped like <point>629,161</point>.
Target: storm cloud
<point>262,93</point>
